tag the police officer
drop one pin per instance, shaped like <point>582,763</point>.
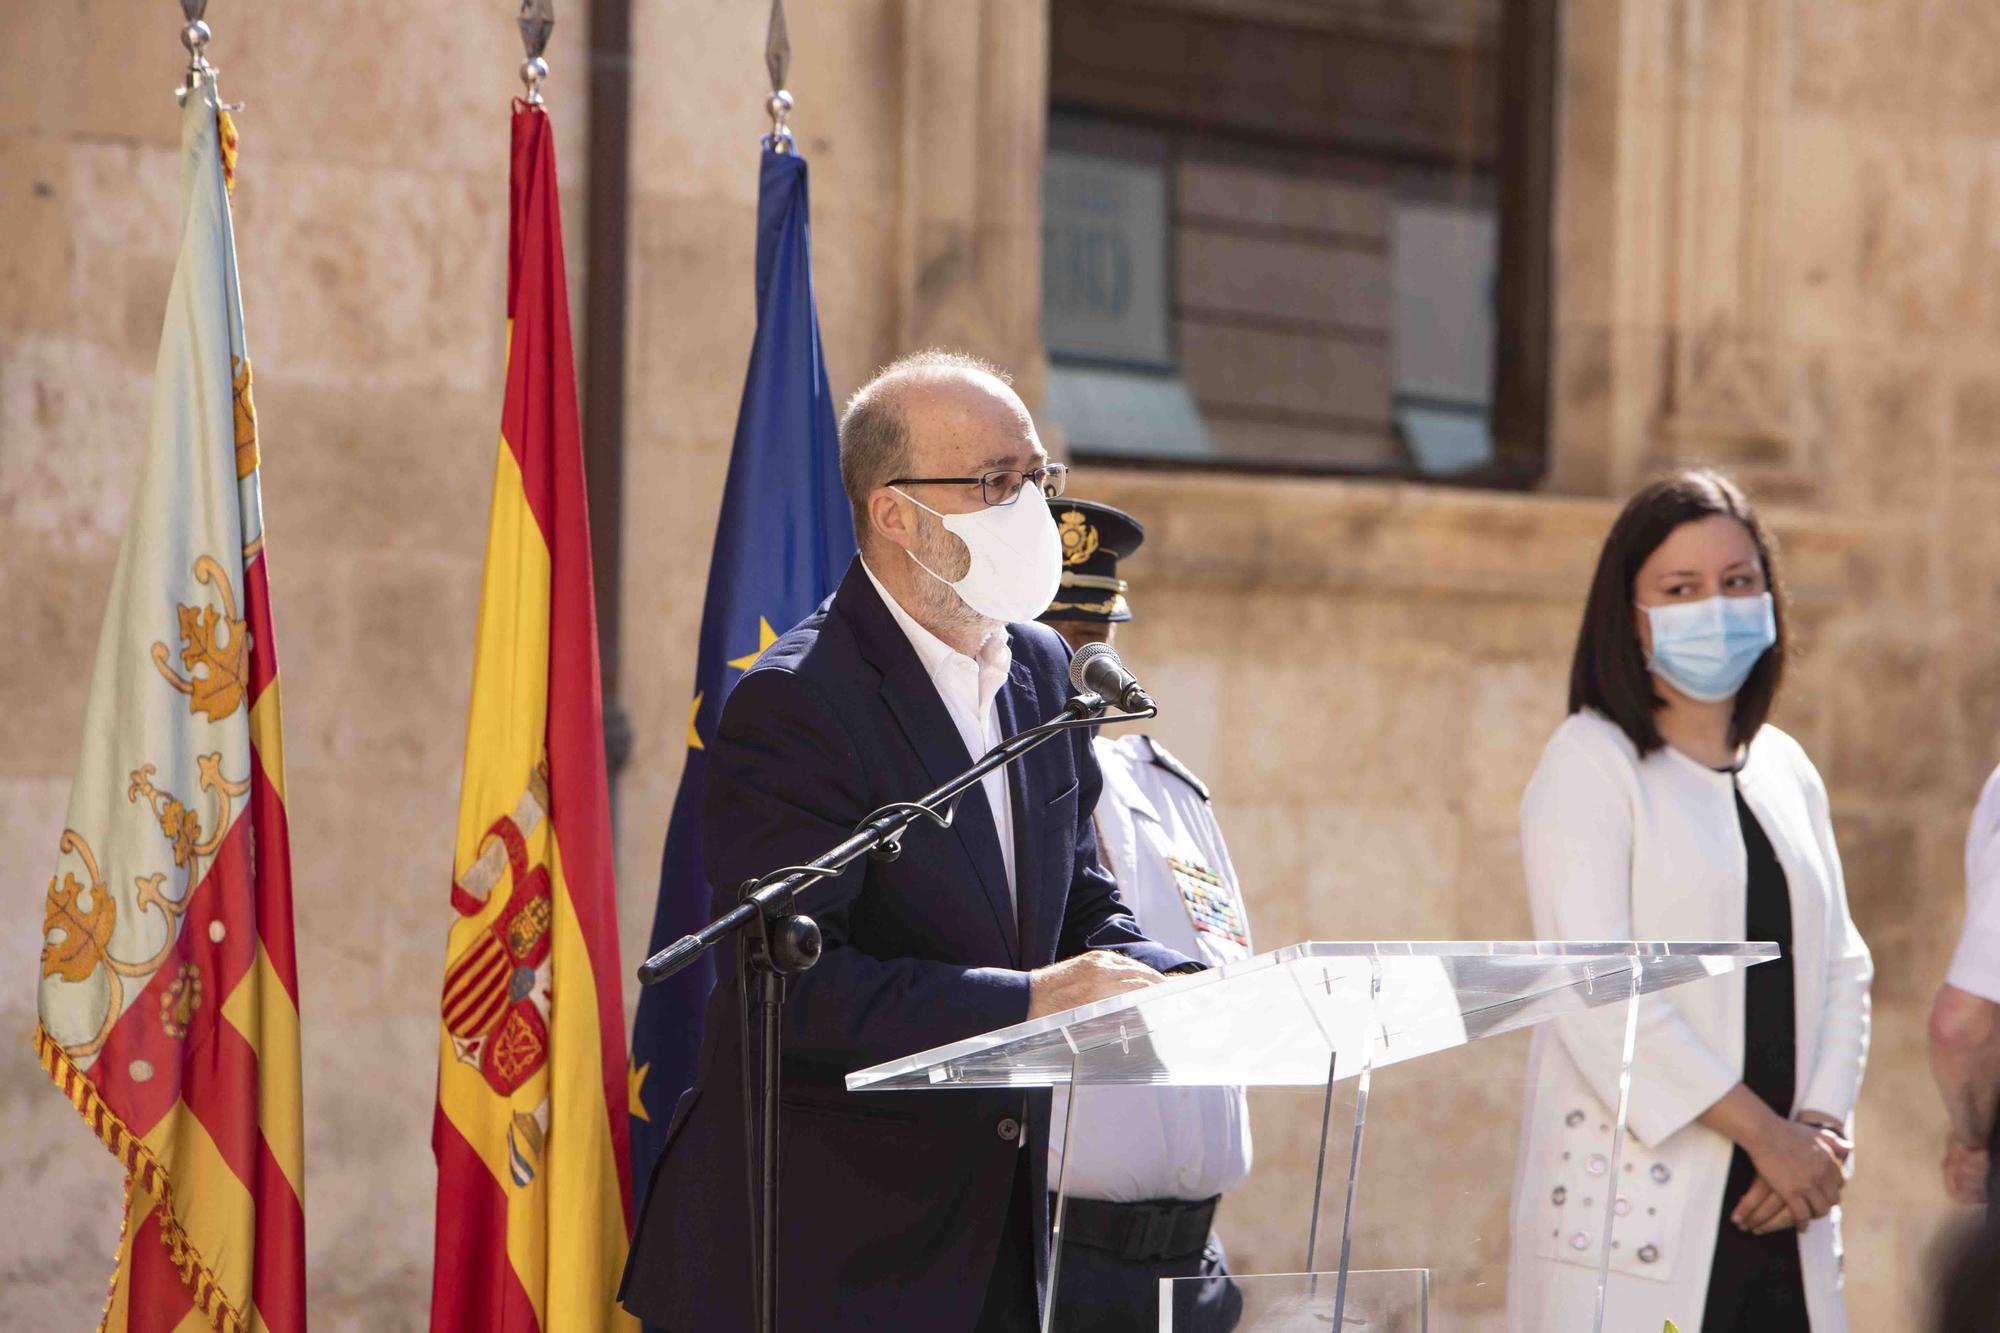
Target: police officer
<point>1148,1165</point>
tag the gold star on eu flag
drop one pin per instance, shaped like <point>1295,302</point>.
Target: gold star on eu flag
<point>766,636</point>
<point>635,1085</point>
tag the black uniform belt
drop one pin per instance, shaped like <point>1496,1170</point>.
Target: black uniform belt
<point>1149,1232</point>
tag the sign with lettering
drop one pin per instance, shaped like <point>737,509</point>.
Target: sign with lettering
<point>1105,293</point>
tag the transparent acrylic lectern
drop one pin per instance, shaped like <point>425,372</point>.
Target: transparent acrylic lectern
<point>1312,1015</point>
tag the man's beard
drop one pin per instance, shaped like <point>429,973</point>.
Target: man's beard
<point>939,607</point>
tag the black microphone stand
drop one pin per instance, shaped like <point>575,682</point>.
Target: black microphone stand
<point>781,942</point>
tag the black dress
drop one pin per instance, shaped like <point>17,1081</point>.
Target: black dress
<point>1756,1285</point>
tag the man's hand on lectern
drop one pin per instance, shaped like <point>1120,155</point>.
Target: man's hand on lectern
<point>1097,975</point>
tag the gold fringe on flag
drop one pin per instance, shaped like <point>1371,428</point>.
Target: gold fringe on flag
<point>142,1171</point>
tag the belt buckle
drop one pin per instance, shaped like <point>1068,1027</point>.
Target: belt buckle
<point>1157,1235</point>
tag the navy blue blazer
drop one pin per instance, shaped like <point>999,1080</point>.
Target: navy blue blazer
<point>892,1203</point>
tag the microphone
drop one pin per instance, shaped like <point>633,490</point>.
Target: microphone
<point>1096,670</point>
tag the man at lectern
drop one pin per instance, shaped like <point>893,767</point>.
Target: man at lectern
<point>898,1211</point>
<point>1147,1165</point>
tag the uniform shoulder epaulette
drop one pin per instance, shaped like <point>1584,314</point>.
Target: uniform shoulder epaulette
<point>1176,767</point>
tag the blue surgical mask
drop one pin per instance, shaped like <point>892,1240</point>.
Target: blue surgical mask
<point>1707,649</point>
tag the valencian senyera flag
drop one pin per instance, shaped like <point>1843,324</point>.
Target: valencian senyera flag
<point>169,987</point>
<point>783,539</point>
<point>534,1204</point>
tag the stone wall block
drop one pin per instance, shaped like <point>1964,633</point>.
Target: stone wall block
<point>72,442</point>
<point>1975,425</point>
<point>1971,543</point>
<point>1379,871</point>
<point>1886,424</point>
<point>1926,214</point>
<point>427,455</point>
<point>854,254</point>
<point>360,100</point>
<point>1957,76</point>
<point>414,623</point>
<point>687,373</point>
<point>1826,231</point>
<point>1891,729</point>
<point>119,64</point>
<point>1878,853</point>
<point>1857,57</point>
<point>56,601</point>
<point>1492,888</point>
<point>312,616</point>
<point>670,529</point>
<point>35,267</point>
<point>392,279</point>
<point>1511,711</point>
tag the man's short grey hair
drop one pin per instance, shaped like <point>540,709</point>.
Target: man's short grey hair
<point>874,438</point>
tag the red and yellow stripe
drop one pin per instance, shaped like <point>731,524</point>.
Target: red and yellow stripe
<point>545,1254</point>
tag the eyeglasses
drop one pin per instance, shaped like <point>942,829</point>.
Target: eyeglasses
<point>1002,486</point>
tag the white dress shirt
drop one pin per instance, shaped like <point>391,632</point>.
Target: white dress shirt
<point>1159,839</point>
<point>1975,967</point>
<point>968,688</point>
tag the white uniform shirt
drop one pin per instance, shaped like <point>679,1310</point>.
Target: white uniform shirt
<point>1975,968</point>
<point>1158,838</point>
<point>968,688</point>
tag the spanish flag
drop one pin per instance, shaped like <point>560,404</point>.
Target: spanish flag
<point>534,1201</point>
<point>169,988</point>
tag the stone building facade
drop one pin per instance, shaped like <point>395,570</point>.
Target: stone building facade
<point>1777,246</point>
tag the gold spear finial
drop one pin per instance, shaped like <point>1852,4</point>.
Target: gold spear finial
<point>778,60</point>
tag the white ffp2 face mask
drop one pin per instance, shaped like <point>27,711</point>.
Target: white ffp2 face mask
<point>1016,556</point>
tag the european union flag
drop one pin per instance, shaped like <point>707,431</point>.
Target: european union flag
<point>781,545</point>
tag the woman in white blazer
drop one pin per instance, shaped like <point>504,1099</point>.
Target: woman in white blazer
<point>1666,808</point>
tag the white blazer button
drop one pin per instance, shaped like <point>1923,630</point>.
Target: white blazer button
<point>1579,1241</point>
<point>1573,1119</point>
<point>1648,1253</point>
<point>1660,1173</point>
<point>1558,1194</point>
<point>1597,1165</point>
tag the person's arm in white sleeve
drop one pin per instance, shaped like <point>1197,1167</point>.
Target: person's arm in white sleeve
<point>1576,844</point>
<point>1965,1017</point>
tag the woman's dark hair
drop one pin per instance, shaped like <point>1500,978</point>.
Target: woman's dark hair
<point>1609,672</point>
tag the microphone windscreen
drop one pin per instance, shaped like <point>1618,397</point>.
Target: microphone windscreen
<point>1080,664</point>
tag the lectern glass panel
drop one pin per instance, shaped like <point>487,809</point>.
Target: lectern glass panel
<point>1274,1020</point>
<point>1439,1196</point>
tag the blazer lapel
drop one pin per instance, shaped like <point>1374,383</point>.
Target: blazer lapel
<point>913,700</point>
<point>1018,704</point>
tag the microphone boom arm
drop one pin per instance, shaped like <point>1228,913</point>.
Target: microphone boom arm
<point>770,894</point>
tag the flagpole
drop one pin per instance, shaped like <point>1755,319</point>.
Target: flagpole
<point>538,19</point>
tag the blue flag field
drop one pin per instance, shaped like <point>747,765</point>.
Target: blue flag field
<point>783,540</point>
